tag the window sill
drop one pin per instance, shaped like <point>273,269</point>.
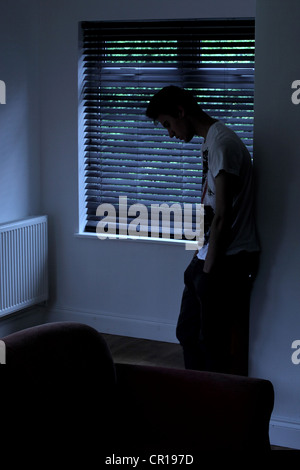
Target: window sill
<point>123,238</point>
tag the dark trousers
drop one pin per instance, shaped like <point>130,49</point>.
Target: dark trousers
<point>213,325</point>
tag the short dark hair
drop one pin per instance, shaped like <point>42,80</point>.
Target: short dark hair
<point>167,100</point>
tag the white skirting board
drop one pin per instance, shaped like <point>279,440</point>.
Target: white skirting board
<point>284,432</point>
<point>22,319</point>
<point>117,325</point>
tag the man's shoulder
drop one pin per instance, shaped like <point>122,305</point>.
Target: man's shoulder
<point>224,137</point>
<point>223,132</point>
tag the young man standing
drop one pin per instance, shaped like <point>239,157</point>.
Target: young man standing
<point>213,325</point>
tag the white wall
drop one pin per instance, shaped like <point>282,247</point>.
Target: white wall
<point>20,194</point>
<point>19,130</point>
<point>275,321</point>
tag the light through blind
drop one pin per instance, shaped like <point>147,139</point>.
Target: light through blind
<point>124,64</point>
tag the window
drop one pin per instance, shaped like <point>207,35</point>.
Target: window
<point>122,65</point>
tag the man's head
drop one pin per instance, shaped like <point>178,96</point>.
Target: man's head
<point>176,109</point>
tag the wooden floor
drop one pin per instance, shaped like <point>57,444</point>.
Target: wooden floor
<point>143,351</point>
<point>148,352</point>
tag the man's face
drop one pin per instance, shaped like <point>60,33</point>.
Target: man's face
<point>179,127</point>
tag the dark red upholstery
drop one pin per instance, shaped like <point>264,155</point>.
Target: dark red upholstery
<point>60,378</point>
<point>58,390</point>
<point>188,411</point>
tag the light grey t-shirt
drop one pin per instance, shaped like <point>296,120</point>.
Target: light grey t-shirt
<point>224,150</point>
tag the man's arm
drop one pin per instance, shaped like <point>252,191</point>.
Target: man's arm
<point>221,223</point>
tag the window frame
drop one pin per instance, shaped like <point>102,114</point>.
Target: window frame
<point>81,107</point>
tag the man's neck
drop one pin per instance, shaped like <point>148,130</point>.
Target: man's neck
<point>203,125</point>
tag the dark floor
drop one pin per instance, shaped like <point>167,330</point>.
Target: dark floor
<point>148,352</point>
<point>144,351</point>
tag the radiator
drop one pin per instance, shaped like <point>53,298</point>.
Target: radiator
<point>23,264</point>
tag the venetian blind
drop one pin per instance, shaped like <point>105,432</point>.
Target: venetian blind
<point>124,64</point>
